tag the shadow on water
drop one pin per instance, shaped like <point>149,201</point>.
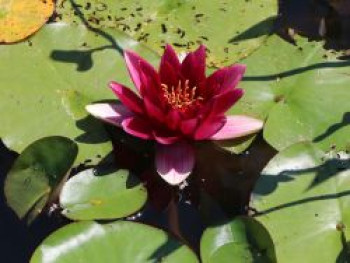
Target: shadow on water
<point>83,58</point>
<point>335,127</point>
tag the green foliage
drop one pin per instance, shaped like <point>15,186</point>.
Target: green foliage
<point>184,24</point>
<point>302,198</point>
<point>49,80</point>
<point>35,177</point>
<point>113,242</point>
<point>102,194</point>
<point>296,88</point>
<point>241,240</point>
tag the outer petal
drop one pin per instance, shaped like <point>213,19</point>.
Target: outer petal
<point>133,63</point>
<point>225,78</point>
<point>224,101</point>
<point>209,127</point>
<point>164,138</point>
<point>175,162</point>
<point>138,127</point>
<point>193,66</point>
<point>109,112</point>
<point>127,97</point>
<point>150,82</point>
<point>238,126</point>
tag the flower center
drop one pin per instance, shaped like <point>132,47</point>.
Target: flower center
<point>181,97</point>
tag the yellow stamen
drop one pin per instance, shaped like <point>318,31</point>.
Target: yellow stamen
<point>181,97</point>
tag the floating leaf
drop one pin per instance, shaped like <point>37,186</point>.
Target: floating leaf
<point>19,18</point>
<point>37,173</point>
<point>49,82</point>
<point>303,199</point>
<point>183,24</point>
<point>113,242</point>
<point>295,88</point>
<point>241,240</point>
<point>102,194</point>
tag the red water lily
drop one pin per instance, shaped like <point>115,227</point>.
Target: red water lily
<point>177,106</point>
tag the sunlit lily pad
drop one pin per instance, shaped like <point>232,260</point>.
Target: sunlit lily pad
<point>302,91</point>
<point>37,173</point>
<point>102,194</point>
<point>183,24</point>
<point>49,81</point>
<point>20,18</point>
<point>303,199</point>
<point>241,240</point>
<point>114,242</point>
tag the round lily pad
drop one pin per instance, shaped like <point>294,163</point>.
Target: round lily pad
<point>37,173</point>
<point>301,90</point>
<point>303,200</point>
<point>241,240</point>
<point>19,19</point>
<point>114,242</point>
<point>102,194</point>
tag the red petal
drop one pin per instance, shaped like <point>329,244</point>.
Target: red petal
<point>150,82</point>
<point>133,64</point>
<point>138,127</point>
<point>153,111</point>
<point>193,67</point>
<point>170,57</point>
<point>189,126</point>
<point>224,101</point>
<point>238,126</point>
<point>127,97</point>
<point>174,162</point>
<point>209,127</point>
<point>226,78</point>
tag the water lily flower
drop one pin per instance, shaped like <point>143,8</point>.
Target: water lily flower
<point>176,106</point>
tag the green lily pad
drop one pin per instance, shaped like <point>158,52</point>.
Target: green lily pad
<point>102,194</point>
<point>303,199</point>
<point>51,78</point>
<point>241,240</point>
<point>113,242</point>
<point>302,91</point>
<point>183,24</point>
<point>37,173</point>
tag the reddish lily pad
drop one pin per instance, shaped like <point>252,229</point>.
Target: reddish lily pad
<point>19,19</point>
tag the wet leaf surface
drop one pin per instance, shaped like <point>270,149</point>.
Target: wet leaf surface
<point>36,174</point>
<point>63,68</point>
<point>112,242</point>
<point>303,199</point>
<point>184,24</point>
<point>102,193</point>
<point>241,240</point>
